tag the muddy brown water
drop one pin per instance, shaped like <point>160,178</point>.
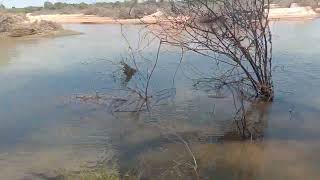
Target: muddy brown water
<point>45,129</point>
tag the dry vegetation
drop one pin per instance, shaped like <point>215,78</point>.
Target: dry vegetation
<point>123,10</point>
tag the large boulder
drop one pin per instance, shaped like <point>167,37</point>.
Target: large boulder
<point>294,5</point>
<point>49,26</point>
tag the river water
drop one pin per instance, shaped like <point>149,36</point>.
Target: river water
<point>45,129</point>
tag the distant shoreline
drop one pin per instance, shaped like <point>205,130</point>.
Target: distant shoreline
<point>294,14</point>
<point>60,33</point>
<point>86,19</point>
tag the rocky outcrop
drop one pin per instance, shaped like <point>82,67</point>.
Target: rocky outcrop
<point>20,32</point>
<point>8,21</point>
<point>14,25</point>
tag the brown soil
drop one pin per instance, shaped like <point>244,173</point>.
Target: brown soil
<point>16,25</point>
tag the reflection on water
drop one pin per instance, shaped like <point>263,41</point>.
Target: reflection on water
<point>6,51</point>
<point>45,131</point>
<point>234,160</point>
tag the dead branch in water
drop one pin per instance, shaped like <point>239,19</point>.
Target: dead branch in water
<point>128,71</point>
<point>136,94</point>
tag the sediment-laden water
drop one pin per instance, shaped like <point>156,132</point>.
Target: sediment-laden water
<point>46,129</point>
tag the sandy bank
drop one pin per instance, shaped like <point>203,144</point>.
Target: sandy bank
<point>88,19</point>
<point>19,26</point>
<point>53,34</point>
<point>293,13</point>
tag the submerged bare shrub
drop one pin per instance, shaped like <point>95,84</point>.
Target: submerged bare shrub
<point>233,32</point>
<point>249,120</point>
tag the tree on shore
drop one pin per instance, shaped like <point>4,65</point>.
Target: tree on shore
<point>48,5</point>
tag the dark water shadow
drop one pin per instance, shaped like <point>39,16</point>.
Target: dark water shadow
<point>150,157</point>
